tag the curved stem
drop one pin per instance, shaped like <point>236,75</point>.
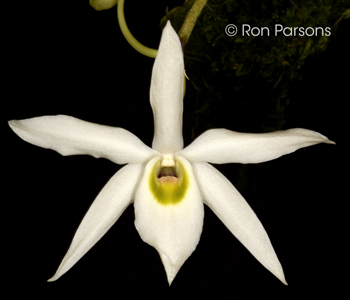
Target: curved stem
<point>129,37</point>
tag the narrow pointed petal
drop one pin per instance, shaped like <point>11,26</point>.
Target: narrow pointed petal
<point>220,146</point>
<point>114,198</point>
<point>72,136</point>
<point>231,208</point>
<point>103,4</point>
<point>167,93</point>
<point>169,217</point>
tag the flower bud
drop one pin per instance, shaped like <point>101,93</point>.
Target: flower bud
<point>103,4</point>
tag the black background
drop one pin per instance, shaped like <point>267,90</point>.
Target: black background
<point>66,58</point>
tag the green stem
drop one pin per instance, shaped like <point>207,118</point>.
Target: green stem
<point>129,37</point>
<point>190,21</point>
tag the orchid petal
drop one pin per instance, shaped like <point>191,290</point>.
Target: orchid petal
<point>111,202</point>
<point>169,217</point>
<point>231,208</point>
<point>72,136</point>
<point>103,4</point>
<point>167,93</point>
<point>221,146</point>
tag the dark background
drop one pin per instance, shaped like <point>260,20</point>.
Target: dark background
<point>66,58</point>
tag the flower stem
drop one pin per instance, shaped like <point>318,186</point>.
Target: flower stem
<point>129,37</point>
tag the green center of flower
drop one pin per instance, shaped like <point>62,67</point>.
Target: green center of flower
<point>169,184</point>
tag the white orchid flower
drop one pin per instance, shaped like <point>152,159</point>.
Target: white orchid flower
<point>168,184</point>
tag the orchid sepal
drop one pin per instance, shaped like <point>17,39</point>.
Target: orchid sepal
<point>166,93</point>
<point>221,146</point>
<point>72,136</point>
<point>233,210</point>
<point>108,206</point>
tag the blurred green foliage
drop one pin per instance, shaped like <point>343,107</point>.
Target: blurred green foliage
<point>232,75</point>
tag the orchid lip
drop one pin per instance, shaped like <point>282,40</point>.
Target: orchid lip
<point>168,184</point>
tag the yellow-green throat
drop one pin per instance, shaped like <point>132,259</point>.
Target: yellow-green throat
<point>169,184</point>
